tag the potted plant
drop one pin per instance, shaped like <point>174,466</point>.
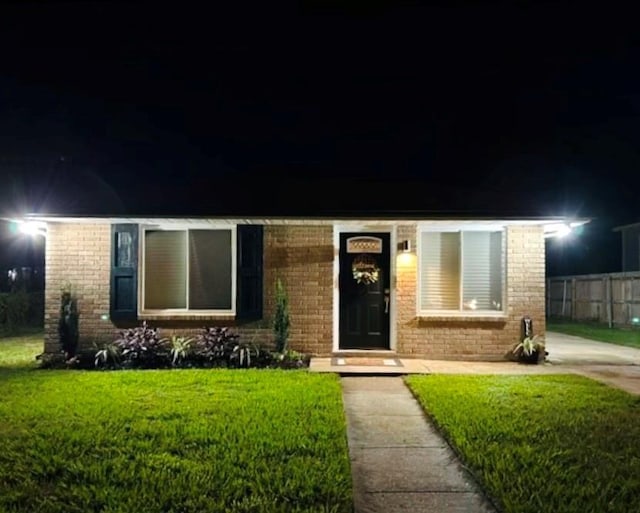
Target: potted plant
<point>531,349</point>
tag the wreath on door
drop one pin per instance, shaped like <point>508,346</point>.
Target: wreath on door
<point>365,269</point>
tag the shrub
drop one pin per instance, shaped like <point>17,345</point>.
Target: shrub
<point>59,360</point>
<point>241,355</point>
<point>181,350</point>
<point>290,359</point>
<point>143,347</point>
<point>221,347</point>
<point>35,314</point>
<point>107,356</point>
<point>210,347</point>
<point>52,360</point>
<point>3,308</point>
<point>14,309</point>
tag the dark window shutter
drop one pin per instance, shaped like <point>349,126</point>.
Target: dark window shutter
<point>124,272</point>
<point>249,283</point>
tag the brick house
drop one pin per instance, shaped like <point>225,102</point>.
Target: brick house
<point>411,285</point>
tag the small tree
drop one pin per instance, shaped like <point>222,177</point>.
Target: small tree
<point>68,322</point>
<point>281,321</point>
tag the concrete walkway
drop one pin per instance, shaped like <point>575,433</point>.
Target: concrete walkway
<point>399,462</point>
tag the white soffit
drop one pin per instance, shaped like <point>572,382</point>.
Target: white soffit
<point>426,224</point>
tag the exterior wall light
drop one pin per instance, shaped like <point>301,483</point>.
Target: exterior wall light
<point>404,246</point>
<point>33,228</point>
<point>562,229</point>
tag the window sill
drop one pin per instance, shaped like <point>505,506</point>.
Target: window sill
<point>187,316</point>
<point>438,318</point>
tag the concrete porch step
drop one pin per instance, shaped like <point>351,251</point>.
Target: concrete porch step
<point>367,364</point>
<point>364,353</point>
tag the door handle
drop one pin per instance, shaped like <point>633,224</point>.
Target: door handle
<point>386,304</point>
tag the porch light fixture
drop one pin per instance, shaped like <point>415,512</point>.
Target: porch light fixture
<point>33,228</point>
<point>404,246</point>
<point>560,230</point>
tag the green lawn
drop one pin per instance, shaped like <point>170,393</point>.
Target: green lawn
<point>169,441</point>
<point>539,444</point>
<point>20,352</point>
<point>601,332</point>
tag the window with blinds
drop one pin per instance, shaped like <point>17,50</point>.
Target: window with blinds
<point>187,270</point>
<point>461,271</point>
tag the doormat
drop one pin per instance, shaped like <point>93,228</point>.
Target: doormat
<point>366,362</point>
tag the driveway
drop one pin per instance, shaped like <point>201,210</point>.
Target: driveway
<point>615,365</point>
<point>570,350</point>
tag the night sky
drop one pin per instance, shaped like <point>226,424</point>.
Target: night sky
<point>494,108</point>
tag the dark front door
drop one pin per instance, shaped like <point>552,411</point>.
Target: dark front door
<point>364,290</point>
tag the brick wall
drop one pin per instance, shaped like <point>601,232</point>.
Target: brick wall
<point>469,338</point>
<point>526,277</point>
<point>78,255</point>
<point>302,256</point>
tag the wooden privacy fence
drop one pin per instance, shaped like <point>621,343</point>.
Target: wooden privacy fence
<point>613,298</point>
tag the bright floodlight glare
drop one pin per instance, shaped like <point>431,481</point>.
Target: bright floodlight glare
<point>563,231</point>
<point>33,228</point>
<point>556,230</point>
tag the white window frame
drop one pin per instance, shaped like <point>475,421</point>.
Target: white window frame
<point>177,312</point>
<point>460,312</point>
